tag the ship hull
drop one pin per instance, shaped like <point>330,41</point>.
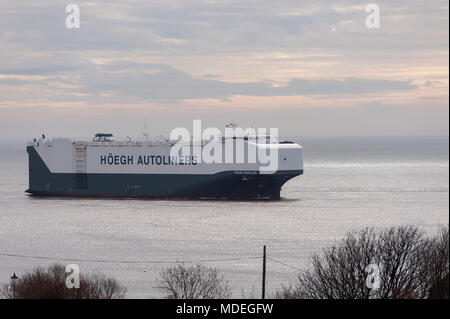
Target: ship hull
<point>226,185</point>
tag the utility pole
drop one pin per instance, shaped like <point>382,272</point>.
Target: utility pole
<point>264,274</point>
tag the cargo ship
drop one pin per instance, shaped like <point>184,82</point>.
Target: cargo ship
<point>104,167</point>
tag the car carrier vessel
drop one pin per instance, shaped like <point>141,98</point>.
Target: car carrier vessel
<point>105,167</point>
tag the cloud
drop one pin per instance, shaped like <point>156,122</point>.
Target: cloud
<point>214,26</point>
<point>201,52</point>
<point>128,81</point>
<point>168,83</point>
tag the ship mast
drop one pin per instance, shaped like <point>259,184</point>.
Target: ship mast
<point>146,134</point>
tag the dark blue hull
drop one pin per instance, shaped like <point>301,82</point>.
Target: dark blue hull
<point>229,184</point>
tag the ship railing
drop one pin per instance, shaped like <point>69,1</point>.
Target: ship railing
<point>141,143</point>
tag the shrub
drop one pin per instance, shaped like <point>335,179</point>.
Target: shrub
<point>50,283</point>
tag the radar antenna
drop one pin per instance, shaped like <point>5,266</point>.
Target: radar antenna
<point>232,124</point>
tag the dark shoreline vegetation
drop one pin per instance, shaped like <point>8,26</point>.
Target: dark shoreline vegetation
<point>403,264</point>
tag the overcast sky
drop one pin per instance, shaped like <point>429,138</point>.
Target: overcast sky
<point>310,68</point>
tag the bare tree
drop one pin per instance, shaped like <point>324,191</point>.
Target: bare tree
<point>340,271</point>
<point>400,256</point>
<point>290,291</point>
<point>50,283</point>
<point>192,282</point>
<point>408,266</point>
<point>436,265</point>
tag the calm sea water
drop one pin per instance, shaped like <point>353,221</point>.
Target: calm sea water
<point>348,184</point>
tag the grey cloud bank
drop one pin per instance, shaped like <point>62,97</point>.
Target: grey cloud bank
<point>136,82</point>
<point>167,83</point>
